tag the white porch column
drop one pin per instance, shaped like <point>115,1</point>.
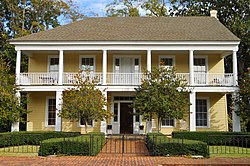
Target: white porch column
<point>235,69</point>
<point>149,60</point>
<point>58,126</point>
<point>18,66</point>
<point>15,125</point>
<point>191,67</point>
<point>192,109</point>
<point>103,127</point>
<point>60,73</point>
<point>104,67</point>
<point>235,117</point>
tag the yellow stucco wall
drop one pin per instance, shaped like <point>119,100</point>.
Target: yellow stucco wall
<point>38,62</point>
<point>36,119</point>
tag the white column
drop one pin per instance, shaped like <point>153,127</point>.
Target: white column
<point>149,60</point>
<point>60,73</point>
<point>18,66</point>
<point>235,117</point>
<point>104,67</point>
<point>103,127</point>
<point>192,110</point>
<point>235,69</point>
<point>15,125</point>
<point>58,126</point>
<point>191,67</point>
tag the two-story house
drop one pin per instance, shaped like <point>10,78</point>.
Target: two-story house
<point>117,50</point>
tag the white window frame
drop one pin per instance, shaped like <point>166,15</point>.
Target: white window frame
<point>47,112</point>
<point>49,57</point>
<point>87,56</point>
<point>89,126</point>
<point>208,111</point>
<point>168,126</point>
<point>166,56</point>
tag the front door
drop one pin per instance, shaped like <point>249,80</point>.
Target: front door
<point>126,118</point>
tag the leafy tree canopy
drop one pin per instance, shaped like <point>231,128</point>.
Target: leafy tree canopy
<point>84,101</point>
<point>162,94</point>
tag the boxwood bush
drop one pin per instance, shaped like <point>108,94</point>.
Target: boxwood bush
<point>163,145</point>
<point>31,138</point>
<point>84,145</point>
<point>216,137</point>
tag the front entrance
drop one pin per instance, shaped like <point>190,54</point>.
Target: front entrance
<point>126,118</point>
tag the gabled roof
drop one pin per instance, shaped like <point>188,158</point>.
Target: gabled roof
<point>137,29</point>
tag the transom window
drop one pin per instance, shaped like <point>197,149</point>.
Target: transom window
<point>201,113</point>
<point>51,113</point>
<point>167,122</point>
<point>88,63</point>
<point>53,64</point>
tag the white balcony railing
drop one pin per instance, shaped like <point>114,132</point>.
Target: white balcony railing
<point>209,79</point>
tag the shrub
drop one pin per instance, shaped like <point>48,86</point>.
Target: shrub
<point>159,144</point>
<point>216,137</point>
<point>31,138</point>
<point>88,144</point>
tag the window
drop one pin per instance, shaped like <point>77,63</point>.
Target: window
<point>82,122</point>
<point>200,70</point>
<point>167,122</point>
<point>53,64</point>
<point>201,112</point>
<point>51,112</point>
<point>166,61</point>
<point>88,63</point>
<point>115,112</point>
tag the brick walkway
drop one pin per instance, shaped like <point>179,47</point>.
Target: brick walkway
<point>119,161</point>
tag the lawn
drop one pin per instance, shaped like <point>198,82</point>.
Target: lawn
<point>25,150</point>
<point>229,151</point>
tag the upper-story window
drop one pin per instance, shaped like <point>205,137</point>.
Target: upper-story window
<point>167,61</point>
<point>200,70</point>
<point>87,63</point>
<point>53,64</point>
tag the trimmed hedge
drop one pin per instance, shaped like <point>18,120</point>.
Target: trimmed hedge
<point>216,137</point>
<point>162,145</point>
<point>31,138</point>
<point>85,145</point>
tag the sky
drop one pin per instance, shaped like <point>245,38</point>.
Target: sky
<point>96,6</point>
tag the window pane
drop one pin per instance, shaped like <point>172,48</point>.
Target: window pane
<point>88,63</point>
<point>201,112</point>
<point>168,122</point>
<point>52,112</point>
<point>82,122</point>
<point>116,112</point>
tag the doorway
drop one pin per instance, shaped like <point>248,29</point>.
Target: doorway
<point>126,118</point>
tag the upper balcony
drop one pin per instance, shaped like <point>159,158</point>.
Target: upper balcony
<point>213,79</point>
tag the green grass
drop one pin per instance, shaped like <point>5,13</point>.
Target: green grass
<point>24,150</point>
<point>229,151</point>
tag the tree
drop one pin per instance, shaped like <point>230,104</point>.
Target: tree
<point>162,94</point>
<point>243,100</point>
<point>123,8</point>
<point>10,108</point>
<point>84,101</point>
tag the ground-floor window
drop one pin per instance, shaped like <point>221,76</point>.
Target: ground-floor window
<point>167,122</point>
<point>201,112</point>
<point>82,122</point>
<point>51,112</point>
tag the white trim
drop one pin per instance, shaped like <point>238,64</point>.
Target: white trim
<point>208,111</point>
<point>48,64</point>
<point>87,56</point>
<point>47,111</point>
<point>166,56</point>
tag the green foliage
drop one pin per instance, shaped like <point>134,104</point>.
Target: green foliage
<point>84,100</point>
<point>123,8</point>
<point>162,94</point>
<point>212,137</point>
<point>10,108</point>
<point>85,145</point>
<point>159,144</point>
<point>31,138</point>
